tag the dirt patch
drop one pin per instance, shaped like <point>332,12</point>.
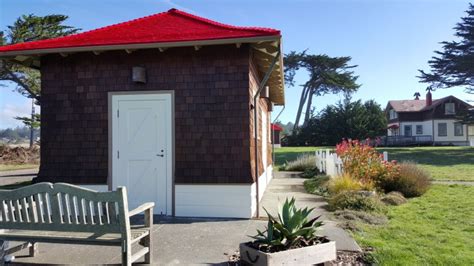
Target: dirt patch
<point>19,155</point>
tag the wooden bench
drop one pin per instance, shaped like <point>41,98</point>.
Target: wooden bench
<point>64,213</point>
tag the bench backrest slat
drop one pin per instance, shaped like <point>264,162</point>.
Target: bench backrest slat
<point>63,207</point>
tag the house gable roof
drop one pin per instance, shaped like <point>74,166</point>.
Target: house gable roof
<point>171,26</point>
<point>402,106</point>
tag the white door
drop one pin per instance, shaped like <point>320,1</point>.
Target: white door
<point>141,149</point>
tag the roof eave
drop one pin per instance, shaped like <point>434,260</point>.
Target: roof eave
<point>137,46</point>
<point>30,58</point>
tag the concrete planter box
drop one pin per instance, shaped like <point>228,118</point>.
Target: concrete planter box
<point>301,256</point>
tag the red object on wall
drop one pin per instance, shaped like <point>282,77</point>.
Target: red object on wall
<point>171,26</point>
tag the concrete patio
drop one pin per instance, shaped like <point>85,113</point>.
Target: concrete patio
<point>197,241</point>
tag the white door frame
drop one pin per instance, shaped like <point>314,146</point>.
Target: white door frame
<point>112,139</point>
<point>264,140</point>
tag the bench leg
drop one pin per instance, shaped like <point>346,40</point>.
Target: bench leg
<point>147,243</point>
<point>33,249</point>
<point>126,254</point>
<point>147,240</point>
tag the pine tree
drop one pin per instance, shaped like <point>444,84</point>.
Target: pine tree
<point>454,65</point>
<point>25,29</point>
<point>326,75</point>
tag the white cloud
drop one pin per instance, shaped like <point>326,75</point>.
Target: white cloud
<point>8,112</point>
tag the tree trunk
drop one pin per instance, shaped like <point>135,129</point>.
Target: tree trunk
<point>304,95</point>
<point>308,108</point>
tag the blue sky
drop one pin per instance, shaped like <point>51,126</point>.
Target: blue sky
<point>388,40</point>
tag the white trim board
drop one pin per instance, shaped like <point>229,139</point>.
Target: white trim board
<point>263,182</point>
<point>224,201</point>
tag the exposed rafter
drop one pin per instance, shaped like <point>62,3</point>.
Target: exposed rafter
<point>264,54</point>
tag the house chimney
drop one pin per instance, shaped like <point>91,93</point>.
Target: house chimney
<point>429,98</point>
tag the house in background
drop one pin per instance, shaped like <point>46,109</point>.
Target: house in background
<point>153,103</point>
<point>412,122</point>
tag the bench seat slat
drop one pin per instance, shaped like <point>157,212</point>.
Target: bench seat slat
<point>39,236</point>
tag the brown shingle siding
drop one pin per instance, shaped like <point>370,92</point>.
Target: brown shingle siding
<point>262,104</point>
<point>211,111</point>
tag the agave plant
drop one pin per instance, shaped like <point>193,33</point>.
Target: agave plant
<point>292,226</point>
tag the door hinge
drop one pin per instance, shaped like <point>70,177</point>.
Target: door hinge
<point>118,154</point>
<point>118,113</point>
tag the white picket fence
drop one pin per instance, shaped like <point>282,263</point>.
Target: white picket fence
<point>331,164</point>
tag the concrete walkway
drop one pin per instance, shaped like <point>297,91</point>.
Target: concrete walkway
<point>175,241</point>
<point>287,185</point>
<point>197,241</point>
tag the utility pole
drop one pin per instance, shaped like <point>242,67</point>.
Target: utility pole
<point>32,121</point>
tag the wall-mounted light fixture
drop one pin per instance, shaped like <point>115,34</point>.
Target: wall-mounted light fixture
<point>265,93</point>
<point>139,74</point>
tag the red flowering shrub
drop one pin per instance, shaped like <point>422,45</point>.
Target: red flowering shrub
<point>362,162</point>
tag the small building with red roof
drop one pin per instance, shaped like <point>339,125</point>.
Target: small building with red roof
<point>153,104</point>
<point>276,132</point>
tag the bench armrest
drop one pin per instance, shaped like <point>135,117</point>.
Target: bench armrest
<point>141,208</point>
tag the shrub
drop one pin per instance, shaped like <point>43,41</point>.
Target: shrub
<point>310,173</point>
<point>303,162</point>
<point>411,182</point>
<point>359,201</point>
<point>394,198</point>
<point>364,163</point>
<point>317,185</point>
<point>347,183</point>
<point>290,229</point>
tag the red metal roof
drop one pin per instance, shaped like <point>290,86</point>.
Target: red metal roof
<point>276,127</point>
<point>171,26</point>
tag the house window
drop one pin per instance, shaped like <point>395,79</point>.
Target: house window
<point>393,114</point>
<point>458,129</point>
<point>407,130</point>
<point>442,129</point>
<point>449,109</point>
<point>419,129</point>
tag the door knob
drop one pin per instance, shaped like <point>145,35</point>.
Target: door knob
<point>160,155</point>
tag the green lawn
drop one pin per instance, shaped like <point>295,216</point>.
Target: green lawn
<point>443,163</point>
<point>285,154</point>
<point>435,229</point>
